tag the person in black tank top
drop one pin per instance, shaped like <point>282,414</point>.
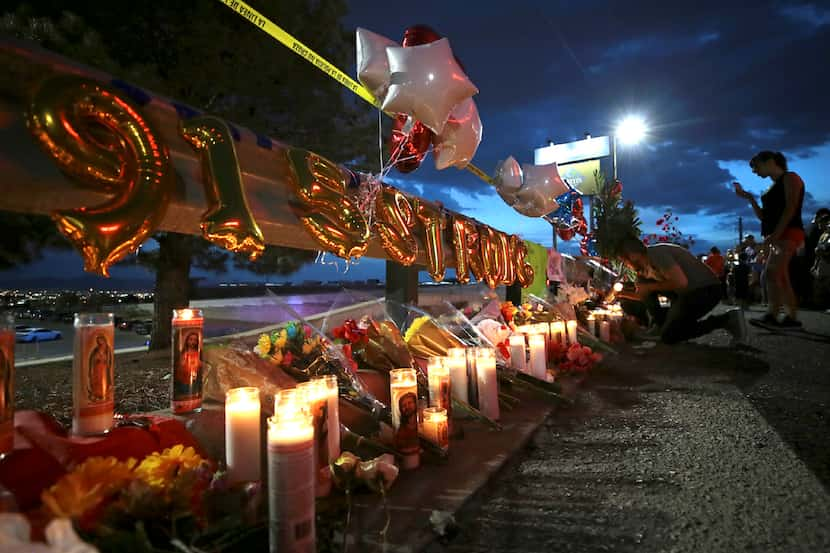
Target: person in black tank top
<point>783,230</point>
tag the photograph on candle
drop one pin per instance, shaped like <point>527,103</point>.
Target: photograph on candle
<point>435,428</point>
<point>404,398</point>
<point>93,372</point>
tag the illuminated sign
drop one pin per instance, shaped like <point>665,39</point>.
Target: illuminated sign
<point>580,150</point>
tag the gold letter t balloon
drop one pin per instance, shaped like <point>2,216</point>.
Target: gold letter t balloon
<point>102,140</point>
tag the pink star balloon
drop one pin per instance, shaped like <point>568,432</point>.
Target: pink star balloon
<point>457,144</point>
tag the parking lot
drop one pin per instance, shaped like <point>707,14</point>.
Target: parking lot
<point>58,348</point>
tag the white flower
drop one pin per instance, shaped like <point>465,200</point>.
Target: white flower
<point>15,536</point>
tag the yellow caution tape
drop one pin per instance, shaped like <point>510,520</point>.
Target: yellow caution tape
<point>277,32</point>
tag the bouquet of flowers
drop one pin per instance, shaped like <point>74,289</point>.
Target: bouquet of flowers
<point>571,295</point>
<point>575,358</point>
<point>168,501</point>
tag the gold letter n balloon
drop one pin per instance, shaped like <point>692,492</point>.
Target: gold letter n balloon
<point>101,139</point>
<point>228,222</point>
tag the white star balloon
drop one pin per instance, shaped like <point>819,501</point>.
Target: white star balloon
<point>508,179</point>
<point>372,63</point>
<point>457,145</point>
<point>426,82</point>
<point>540,187</point>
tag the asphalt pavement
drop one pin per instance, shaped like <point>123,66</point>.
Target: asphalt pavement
<point>27,352</point>
<point>686,448</point>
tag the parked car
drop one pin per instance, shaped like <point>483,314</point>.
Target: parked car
<point>143,327</point>
<point>38,335</point>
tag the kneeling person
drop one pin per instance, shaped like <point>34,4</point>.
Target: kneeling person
<point>671,270</point>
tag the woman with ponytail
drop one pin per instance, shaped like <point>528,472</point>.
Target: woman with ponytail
<point>783,230</point>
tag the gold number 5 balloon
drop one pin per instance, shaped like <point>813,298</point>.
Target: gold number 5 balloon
<point>102,140</point>
<point>228,221</point>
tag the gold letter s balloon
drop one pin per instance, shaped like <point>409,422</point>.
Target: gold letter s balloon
<point>395,219</point>
<point>434,221</point>
<point>228,221</point>
<point>323,207</point>
<point>524,270</point>
<point>102,140</point>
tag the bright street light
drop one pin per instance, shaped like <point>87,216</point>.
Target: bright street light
<point>630,131</point>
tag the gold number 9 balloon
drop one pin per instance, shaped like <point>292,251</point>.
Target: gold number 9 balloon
<point>228,222</point>
<point>394,223</point>
<point>324,209</point>
<point>101,139</point>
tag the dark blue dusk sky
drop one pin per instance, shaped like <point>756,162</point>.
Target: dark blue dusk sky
<point>716,81</point>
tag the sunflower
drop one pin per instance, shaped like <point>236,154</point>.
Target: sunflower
<point>263,345</point>
<point>159,470</point>
<point>86,487</point>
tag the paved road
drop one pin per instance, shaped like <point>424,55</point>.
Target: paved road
<point>57,348</point>
<point>686,448</point>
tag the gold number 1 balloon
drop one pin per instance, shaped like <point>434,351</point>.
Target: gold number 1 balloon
<point>228,222</point>
<point>101,139</point>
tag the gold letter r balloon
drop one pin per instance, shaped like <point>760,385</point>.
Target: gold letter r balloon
<point>101,139</point>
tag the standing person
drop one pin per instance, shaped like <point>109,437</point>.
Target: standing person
<point>670,270</point>
<point>555,272</point>
<point>783,230</point>
<point>717,264</point>
<point>813,233</point>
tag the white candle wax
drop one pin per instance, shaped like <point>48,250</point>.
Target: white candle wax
<point>435,427</point>
<point>456,362</point>
<point>488,385</point>
<point>242,431</point>
<point>291,483</point>
<point>604,331</point>
<point>439,383</point>
<point>592,325</point>
<point>316,395</point>
<point>472,379</point>
<point>538,360</point>
<point>572,332</point>
<point>518,353</point>
<point>333,416</point>
<point>557,331</point>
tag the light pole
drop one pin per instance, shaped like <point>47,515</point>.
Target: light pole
<point>631,130</point>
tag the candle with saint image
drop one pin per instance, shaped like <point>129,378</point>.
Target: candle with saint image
<point>439,384</point>
<point>488,384</point>
<point>93,366</point>
<point>403,386</point>
<point>315,394</point>
<point>572,332</point>
<point>242,431</point>
<point>187,360</point>
<point>435,427</point>
<point>557,331</point>
<point>7,338</point>
<point>518,353</point>
<point>605,331</point>
<point>472,379</point>
<point>538,359</point>
<point>456,362</point>
<point>291,479</point>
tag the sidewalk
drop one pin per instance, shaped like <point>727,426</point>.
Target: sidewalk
<point>685,448</point>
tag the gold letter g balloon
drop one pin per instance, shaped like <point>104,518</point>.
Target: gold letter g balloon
<point>102,140</point>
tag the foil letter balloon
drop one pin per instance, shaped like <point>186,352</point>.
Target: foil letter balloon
<point>434,220</point>
<point>457,144</point>
<point>101,139</point>
<point>228,222</point>
<point>489,245</point>
<point>325,210</point>
<point>506,261</point>
<point>524,271</point>
<point>426,82</point>
<point>394,221</point>
<point>540,187</point>
<point>474,250</point>
<point>459,244</point>
<point>372,63</point>
<point>508,179</point>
